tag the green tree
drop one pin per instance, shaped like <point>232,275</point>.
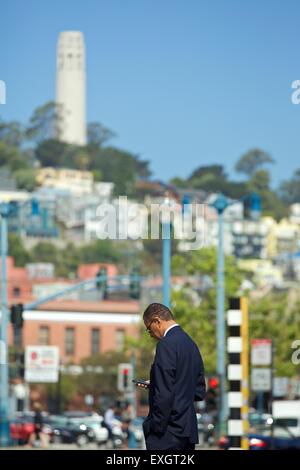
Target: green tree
<point>11,157</point>
<point>12,133</point>
<point>117,166</point>
<point>67,260</point>
<point>271,204</point>
<point>289,190</point>
<point>17,250</point>
<point>45,252</point>
<point>179,182</point>
<point>199,319</point>
<point>252,160</point>
<point>98,135</point>
<point>99,251</point>
<point>272,317</point>
<point>25,179</point>
<point>67,391</point>
<point>45,123</point>
<point>52,152</point>
<point>208,178</point>
<point>104,383</point>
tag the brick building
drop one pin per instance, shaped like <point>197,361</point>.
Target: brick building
<point>80,328</point>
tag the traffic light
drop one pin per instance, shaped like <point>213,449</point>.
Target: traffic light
<point>213,382</point>
<point>16,315</point>
<point>135,284</point>
<point>101,282</point>
<point>125,376</point>
<point>212,394</point>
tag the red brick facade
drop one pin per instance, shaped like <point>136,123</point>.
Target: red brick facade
<point>70,324</point>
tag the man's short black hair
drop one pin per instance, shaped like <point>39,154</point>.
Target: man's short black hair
<point>158,310</point>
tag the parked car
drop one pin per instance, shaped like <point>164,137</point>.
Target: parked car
<point>65,430</point>
<point>20,430</point>
<point>268,438</point>
<point>96,424</point>
<point>259,419</point>
<point>22,426</point>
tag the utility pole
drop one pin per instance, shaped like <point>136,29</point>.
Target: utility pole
<point>5,210</point>
<point>166,252</point>
<point>220,204</point>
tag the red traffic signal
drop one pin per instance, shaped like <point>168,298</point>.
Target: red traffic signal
<point>213,382</point>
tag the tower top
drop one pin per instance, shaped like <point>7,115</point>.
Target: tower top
<point>70,39</point>
<point>71,33</point>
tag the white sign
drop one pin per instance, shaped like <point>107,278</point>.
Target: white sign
<point>261,380</point>
<point>280,386</point>
<point>261,352</point>
<point>40,270</point>
<point>41,364</point>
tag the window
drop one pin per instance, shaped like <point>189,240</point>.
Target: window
<point>44,336</point>
<point>16,292</point>
<point>70,341</point>
<point>95,341</point>
<point>120,336</point>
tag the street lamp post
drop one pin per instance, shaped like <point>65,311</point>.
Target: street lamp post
<point>5,210</point>
<point>166,252</point>
<point>220,204</point>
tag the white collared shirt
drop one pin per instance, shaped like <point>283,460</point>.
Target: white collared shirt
<point>170,327</point>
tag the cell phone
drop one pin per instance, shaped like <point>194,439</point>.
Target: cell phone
<point>141,382</point>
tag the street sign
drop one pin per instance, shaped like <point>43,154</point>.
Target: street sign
<point>280,386</point>
<point>261,352</point>
<point>41,364</point>
<point>261,379</point>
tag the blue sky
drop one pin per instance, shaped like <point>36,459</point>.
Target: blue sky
<point>182,82</point>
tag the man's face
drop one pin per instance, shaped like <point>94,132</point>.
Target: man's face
<point>154,327</point>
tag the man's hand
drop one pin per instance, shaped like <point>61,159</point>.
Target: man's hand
<point>141,385</point>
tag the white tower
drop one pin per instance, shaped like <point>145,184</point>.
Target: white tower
<point>70,87</point>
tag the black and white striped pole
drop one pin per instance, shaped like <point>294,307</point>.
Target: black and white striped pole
<point>238,373</point>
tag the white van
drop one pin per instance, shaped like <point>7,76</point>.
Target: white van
<point>286,413</point>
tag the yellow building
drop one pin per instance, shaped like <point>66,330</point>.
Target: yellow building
<point>282,237</point>
<point>76,181</point>
<point>264,271</point>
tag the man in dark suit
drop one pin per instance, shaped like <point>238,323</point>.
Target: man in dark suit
<point>176,381</point>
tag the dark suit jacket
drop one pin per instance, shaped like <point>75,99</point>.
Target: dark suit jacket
<point>176,381</point>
